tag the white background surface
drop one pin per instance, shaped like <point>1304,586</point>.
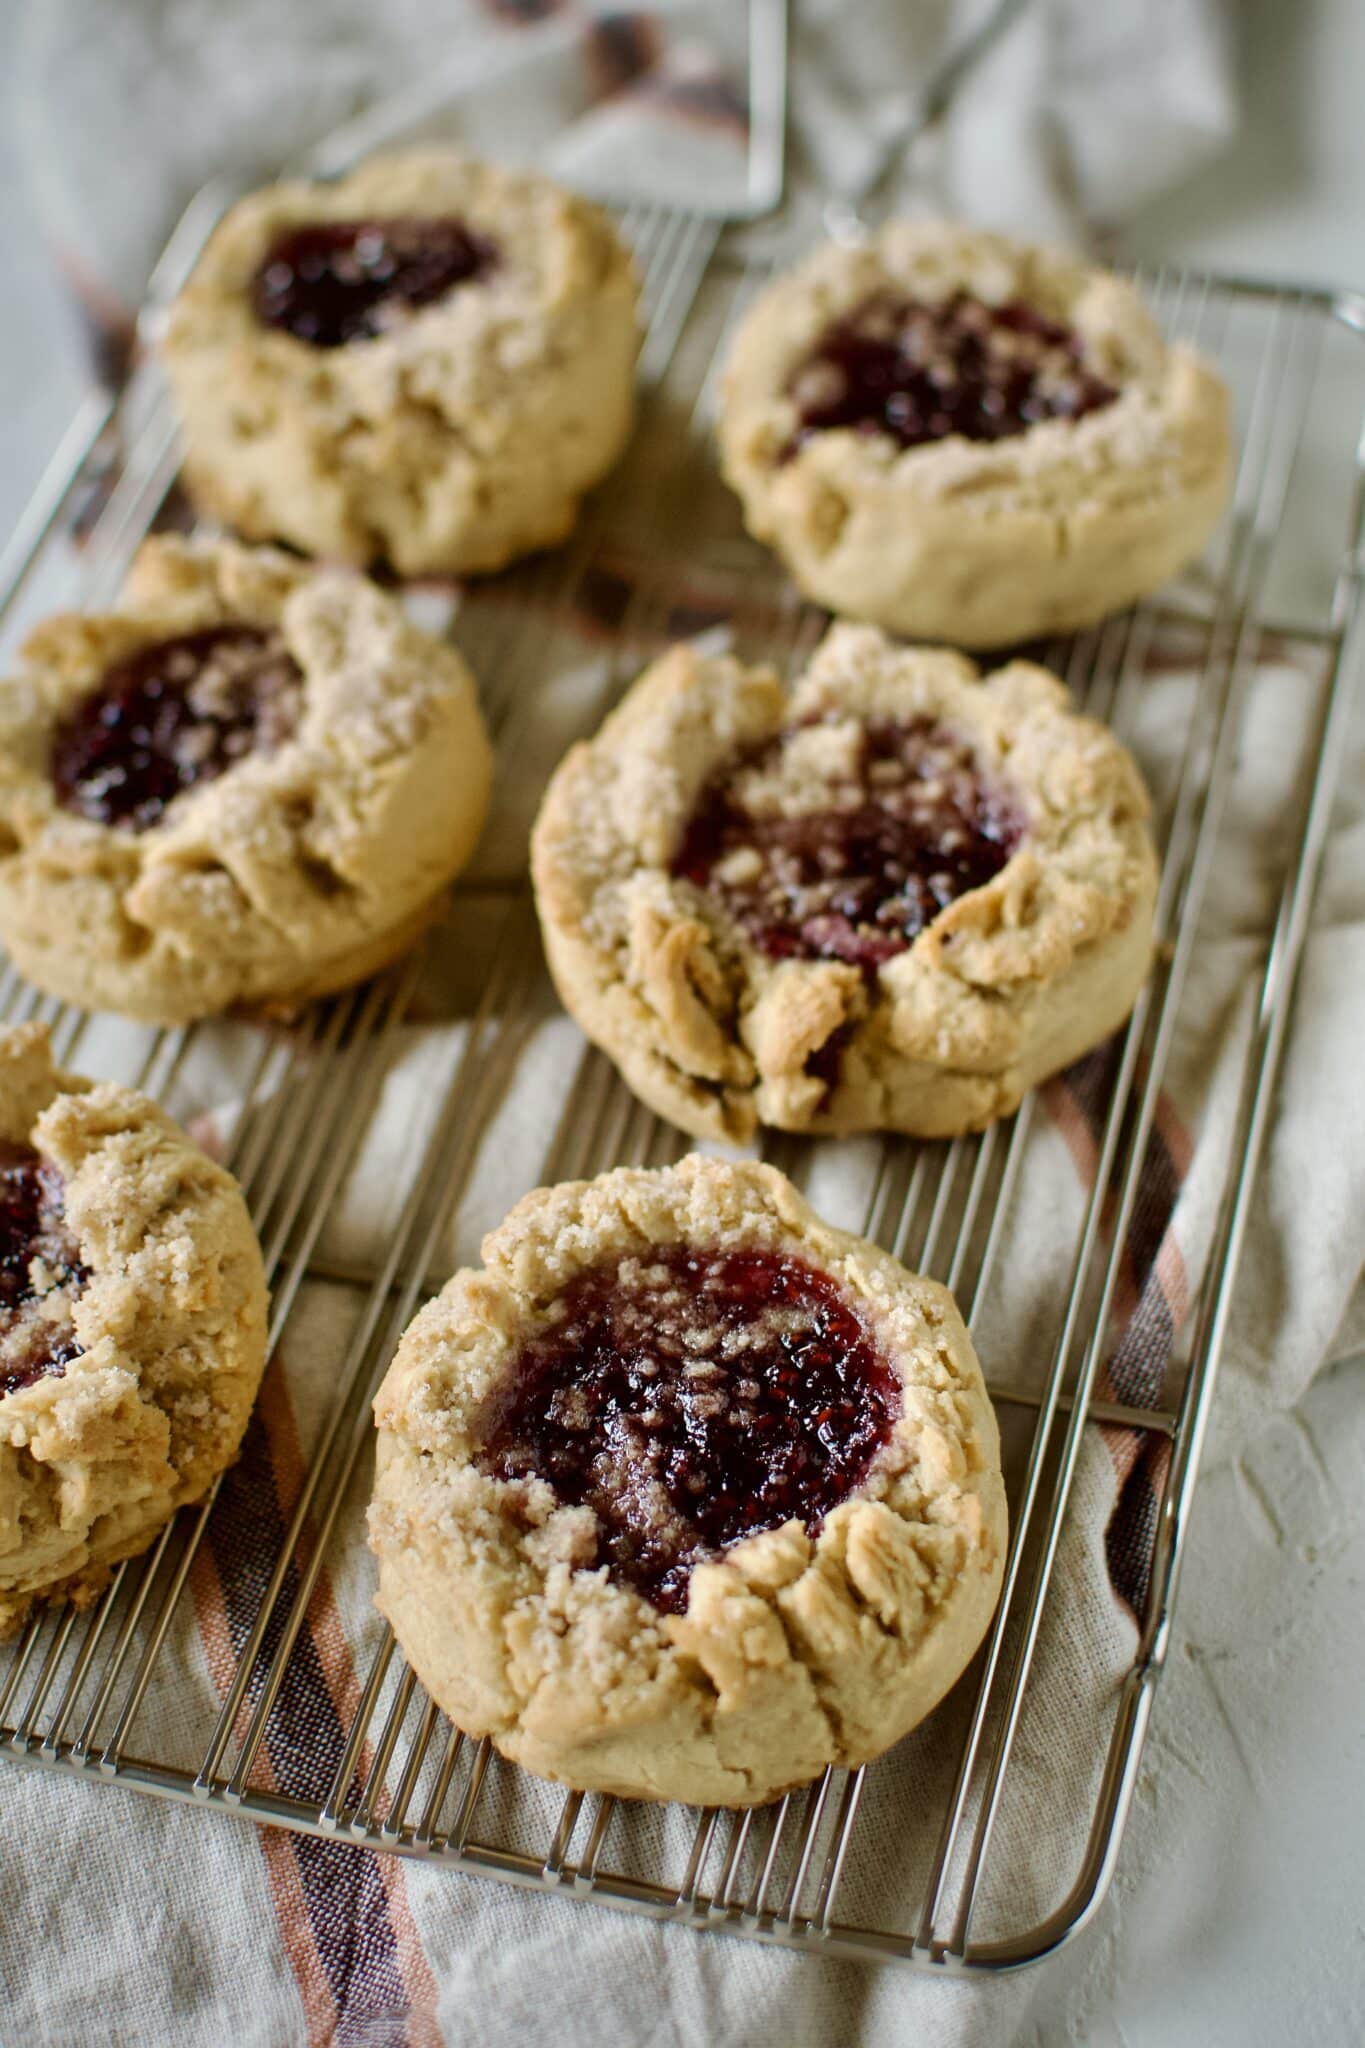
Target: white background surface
<point>1248,1927</point>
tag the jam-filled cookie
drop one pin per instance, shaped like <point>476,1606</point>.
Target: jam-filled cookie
<point>132,1324</point>
<point>250,783</point>
<point>428,361</point>
<point>891,901</point>
<point>686,1495</point>
<point>965,438</point>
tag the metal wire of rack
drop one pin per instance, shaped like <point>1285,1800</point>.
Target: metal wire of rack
<point>77,1685</point>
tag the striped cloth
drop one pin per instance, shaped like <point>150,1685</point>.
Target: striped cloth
<point>138,1922</point>
<point>183,1924</point>
<point>1078,116</point>
<point>286,1937</point>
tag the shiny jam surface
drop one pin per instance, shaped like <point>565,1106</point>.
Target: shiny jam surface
<point>919,373</point>
<point>692,1398</point>
<point>40,1270</point>
<point>334,282</point>
<point>178,713</point>
<point>907,825</point>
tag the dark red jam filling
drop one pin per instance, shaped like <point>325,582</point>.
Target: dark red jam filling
<point>335,282</point>
<point>920,372</point>
<point>40,1270</point>
<point>915,826</point>
<point>692,1398</point>
<point>178,713</point>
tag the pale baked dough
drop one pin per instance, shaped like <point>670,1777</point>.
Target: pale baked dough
<point>171,1321</point>
<point>461,438</point>
<point>295,872</point>
<point>1008,984</point>
<point>978,544</point>
<point>795,1651</point>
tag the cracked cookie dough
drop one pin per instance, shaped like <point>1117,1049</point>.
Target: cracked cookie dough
<point>251,783</point>
<point>686,1495</point>
<point>894,900</point>
<point>428,361</point>
<point>965,438</point>
<point>132,1325</point>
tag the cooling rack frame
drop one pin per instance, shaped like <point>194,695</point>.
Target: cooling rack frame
<point>405,1783</point>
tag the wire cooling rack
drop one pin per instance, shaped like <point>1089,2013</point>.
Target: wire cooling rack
<point>78,1688</point>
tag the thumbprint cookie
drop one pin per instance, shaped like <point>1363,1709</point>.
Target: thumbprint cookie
<point>132,1325</point>
<point>685,1495</point>
<point>893,900</point>
<point>428,362</point>
<point>249,784</point>
<point>965,438</point>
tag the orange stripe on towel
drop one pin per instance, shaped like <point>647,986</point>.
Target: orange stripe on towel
<point>281,1867</point>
